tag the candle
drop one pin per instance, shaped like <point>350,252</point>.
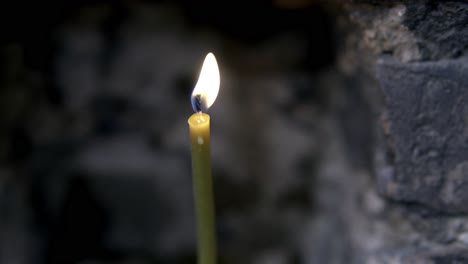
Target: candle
<point>203,96</point>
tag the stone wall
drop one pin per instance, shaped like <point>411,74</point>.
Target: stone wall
<point>416,51</point>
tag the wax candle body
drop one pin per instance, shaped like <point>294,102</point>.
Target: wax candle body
<point>199,124</point>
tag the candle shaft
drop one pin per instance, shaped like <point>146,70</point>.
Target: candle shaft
<point>203,187</point>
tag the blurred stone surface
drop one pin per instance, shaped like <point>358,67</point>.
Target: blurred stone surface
<point>439,28</point>
<point>415,52</point>
<point>427,132</point>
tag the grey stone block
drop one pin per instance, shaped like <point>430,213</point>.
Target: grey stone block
<point>427,132</point>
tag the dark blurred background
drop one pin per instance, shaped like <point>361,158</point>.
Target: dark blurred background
<point>94,139</point>
<point>94,151</point>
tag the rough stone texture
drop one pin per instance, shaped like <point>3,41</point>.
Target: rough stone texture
<point>414,30</point>
<point>416,52</point>
<point>427,132</point>
<point>384,31</point>
<point>439,27</point>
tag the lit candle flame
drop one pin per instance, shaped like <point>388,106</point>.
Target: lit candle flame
<point>205,92</point>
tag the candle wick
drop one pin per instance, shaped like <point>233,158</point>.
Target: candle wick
<point>197,103</point>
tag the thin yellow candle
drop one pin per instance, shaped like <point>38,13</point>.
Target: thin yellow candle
<point>203,96</point>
